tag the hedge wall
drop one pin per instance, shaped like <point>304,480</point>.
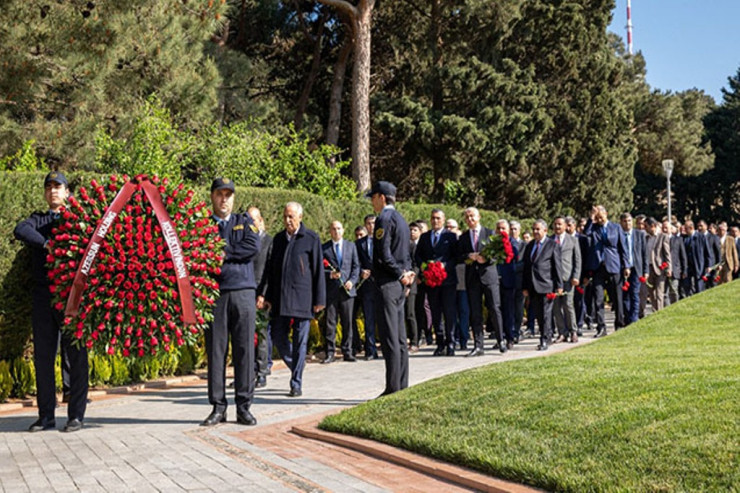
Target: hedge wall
<point>21,193</point>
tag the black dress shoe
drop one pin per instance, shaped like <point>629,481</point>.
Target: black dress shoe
<point>245,418</point>
<point>450,351</point>
<point>440,351</point>
<point>42,424</point>
<point>475,352</point>
<point>542,347</point>
<point>503,347</point>
<point>72,425</point>
<point>260,382</point>
<point>329,359</point>
<point>214,418</point>
<point>295,393</point>
<point>350,358</point>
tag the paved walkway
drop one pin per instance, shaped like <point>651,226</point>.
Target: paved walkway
<point>151,441</point>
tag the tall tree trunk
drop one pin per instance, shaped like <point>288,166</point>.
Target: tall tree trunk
<point>360,16</point>
<point>337,88</point>
<point>361,96</point>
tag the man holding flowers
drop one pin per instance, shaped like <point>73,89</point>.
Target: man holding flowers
<point>47,321</point>
<point>234,312</point>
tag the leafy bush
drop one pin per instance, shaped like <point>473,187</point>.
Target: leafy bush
<point>24,378</point>
<point>101,369</point>
<point>119,371</point>
<point>6,381</point>
<point>186,364</point>
<point>169,364</point>
<point>25,159</point>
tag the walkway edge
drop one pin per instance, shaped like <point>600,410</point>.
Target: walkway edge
<point>454,474</point>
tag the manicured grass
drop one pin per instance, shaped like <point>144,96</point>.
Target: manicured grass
<point>653,407</point>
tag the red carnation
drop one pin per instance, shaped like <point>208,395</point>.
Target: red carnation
<point>625,286</point>
<point>642,279</point>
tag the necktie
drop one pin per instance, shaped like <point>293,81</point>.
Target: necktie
<point>370,248</point>
<point>535,250</point>
<point>339,254</point>
<point>435,238</point>
<point>604,235</point>
<point>629,247</point>
<point>475,240</point>
<point>557,240</point>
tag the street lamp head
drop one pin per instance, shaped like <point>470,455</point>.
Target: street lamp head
<point>668,167</point>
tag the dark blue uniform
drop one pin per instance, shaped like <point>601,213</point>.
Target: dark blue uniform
<point>234,314</point>
<point>390,260</point>
<point>47,322</point>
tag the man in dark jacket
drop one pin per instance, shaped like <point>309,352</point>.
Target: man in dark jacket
<point>342,270</point>
<point>392,272</point>
<point>678,266</point>
<point>234,312</point>
<point>543,279</point>
<point>35,232</point>
<point>294,288</point>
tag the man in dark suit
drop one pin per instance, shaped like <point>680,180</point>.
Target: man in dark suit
<point>564,308</point>
<point>368,290</point>
<point>439,245</point>
<point>507,287</point>
<point>481,282</point>
<point>608,261</point>
<point>715,250</point>
<point>542,277</point>
<point>638,258</point>
<point>294,288</point>
<point>392,271</point>
<point>46,322</point>
<point>342,275</point>
<point>412,290</point>
<point>660,262</point>
<point>518,244</point>
<point>264,341</point>
<point>579,297</point>
<point>234,313</point>
<point>678,265</point>
<point>698,257</point>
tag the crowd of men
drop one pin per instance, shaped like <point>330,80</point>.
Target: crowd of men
<point>558,276</point>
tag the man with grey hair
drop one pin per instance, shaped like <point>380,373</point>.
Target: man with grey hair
<point>543,279</point>
<point>518,243</point>
<point>570,257</point>
<point>294,289</point>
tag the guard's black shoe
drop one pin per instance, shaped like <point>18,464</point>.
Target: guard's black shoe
<point>42,424</point>
<point>295,393</point>
<point>245,418</point>
<point>72,425</point>
<point>214,418</point>
<point>260,382</point>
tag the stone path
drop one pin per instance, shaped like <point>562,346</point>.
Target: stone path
<point>151,441</point>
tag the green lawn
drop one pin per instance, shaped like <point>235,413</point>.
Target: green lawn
<point>654,407</point>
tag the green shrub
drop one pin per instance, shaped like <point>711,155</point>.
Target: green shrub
<point>138,369</point>
<point>169,363</point>
<point>101,369</point>
<point>58,380</point>
<point>24,379</point>
<point>186,363</point>
<point>6,381</point>
<point>119,371</point>
<point>25,159</point>
<point>153,369</point>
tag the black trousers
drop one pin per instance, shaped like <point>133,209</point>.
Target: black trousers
<point>234,316</point>
<point>341,307</point>
<point>442,300</point>
<point>392,331</point>
<point>541,308</point>
<point>477,294</point>
<point>412,325</point>
<point>46,323</point>
<point>613,285</point>
<point>423,314</point>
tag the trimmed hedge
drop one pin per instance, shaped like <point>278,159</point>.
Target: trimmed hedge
<point>21,193</point>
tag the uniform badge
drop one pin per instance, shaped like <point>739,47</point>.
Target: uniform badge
<point>237,227</point>
<point>379,233</point>
<point>254,228</point>
<point>226,181</point>
<point>53,175</point>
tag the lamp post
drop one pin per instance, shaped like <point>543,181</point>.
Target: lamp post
<point>668,169</point>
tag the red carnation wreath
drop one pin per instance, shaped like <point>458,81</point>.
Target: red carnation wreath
<point>133,264</point>
<point>434,273</point>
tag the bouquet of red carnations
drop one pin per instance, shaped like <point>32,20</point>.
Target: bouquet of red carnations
<point>434,273</point>
<point>133,265</point>
<point>498,249</point>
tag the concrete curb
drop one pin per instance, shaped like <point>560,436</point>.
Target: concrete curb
<point>457,475</point>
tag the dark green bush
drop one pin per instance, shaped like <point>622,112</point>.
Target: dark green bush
<point>100,369</point>
<point>6,381</point>
<point>24,377</point>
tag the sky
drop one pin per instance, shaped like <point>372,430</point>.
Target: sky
<point>686,43</point>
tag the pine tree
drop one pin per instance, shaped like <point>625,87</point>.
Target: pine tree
<point>69,67</point>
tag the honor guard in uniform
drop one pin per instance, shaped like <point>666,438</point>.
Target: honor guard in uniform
<point>235,311</point>
<point>46,321</point>
<point>392,272</point>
